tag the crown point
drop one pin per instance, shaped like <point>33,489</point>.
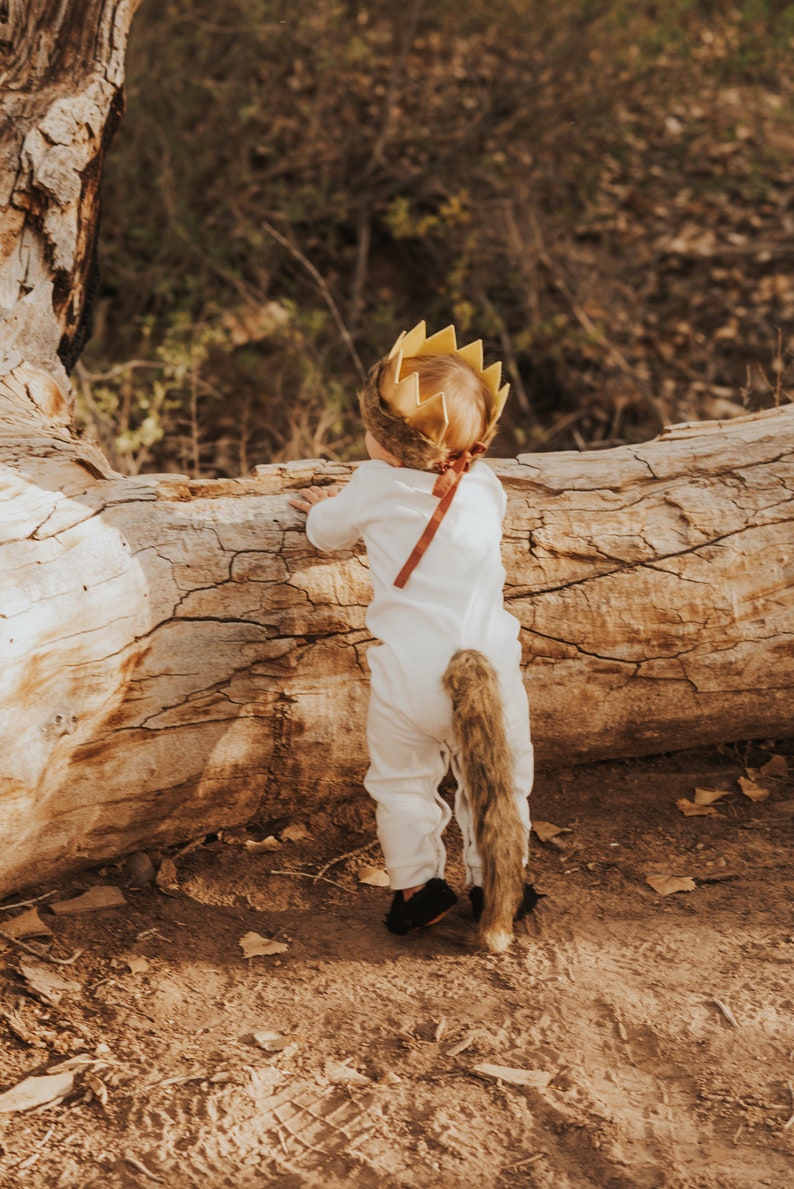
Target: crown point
<point>472,354</point>
<point>492,376</point>
<point>410,341</point>
<point>443,342</point>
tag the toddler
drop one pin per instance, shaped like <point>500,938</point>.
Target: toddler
<point>446,683</point>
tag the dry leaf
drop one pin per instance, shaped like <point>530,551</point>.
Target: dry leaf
<point>36,1092</point>
<point>753,790</point>
<point>167,876</point>
<point>546,830</point>
<point>295,832</point>
<point>27,924</point>
<point>665,885</point>
<point>137,963</point>
<point>709,796</point>
<point>254,945</point>
<point>101,896</point>
<point>538,1079</point>
<point>46,982</point>
<point>690,809</point>
<point>81,1061</point>
<point>271,1042</point>
<point>375,876</point>
<point>341,1074</point>
<point>97,1088</point>
<point>777,768</point>
<point>460,1045</point>
<point>269,843</point>
<point>15,1023</point>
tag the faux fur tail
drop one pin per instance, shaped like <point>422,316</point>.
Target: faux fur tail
<point>479,724</point>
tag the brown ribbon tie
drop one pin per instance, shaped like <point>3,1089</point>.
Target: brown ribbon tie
<point>444,487</point>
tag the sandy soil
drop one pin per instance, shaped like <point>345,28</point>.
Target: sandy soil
<point>646,1040</point>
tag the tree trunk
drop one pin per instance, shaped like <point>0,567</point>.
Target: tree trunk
<point>175,654</point>
<point>62,70</point>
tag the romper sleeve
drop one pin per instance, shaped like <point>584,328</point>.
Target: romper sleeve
<point>336,522</point>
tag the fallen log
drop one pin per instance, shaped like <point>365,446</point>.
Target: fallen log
<point>176,655</point>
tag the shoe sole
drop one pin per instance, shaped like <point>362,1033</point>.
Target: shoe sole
<point>435,920</point>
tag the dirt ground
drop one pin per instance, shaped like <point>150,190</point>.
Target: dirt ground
<point>628,1039</point>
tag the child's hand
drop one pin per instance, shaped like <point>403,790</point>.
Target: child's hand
<point>309,496</point>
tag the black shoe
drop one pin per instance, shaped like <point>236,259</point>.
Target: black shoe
<point>424,908</point>
<point>527,905</point>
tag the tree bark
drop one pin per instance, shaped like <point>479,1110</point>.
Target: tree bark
<point>62,69</point>
<point>175,653</point>
<point>175,656</point>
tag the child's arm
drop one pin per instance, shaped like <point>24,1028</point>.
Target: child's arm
<point>333,515</point>
<point>309,496</point>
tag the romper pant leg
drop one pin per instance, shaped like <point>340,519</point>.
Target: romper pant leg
<point>406,768</point>
<point>516,706</point>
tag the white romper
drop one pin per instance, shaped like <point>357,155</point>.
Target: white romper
<point>452,600</point>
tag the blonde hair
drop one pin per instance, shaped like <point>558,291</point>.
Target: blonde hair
<point>466,396</point>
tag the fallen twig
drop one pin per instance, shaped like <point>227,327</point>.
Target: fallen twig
<point>39,951</point>
<point>790,1121</point>
<point>309,875</point>
<point>141,1168</point>
<point>350,854</point>
<point>188,848</point>
<point>25,903</point>
<point>726,1011</point>
<point>521,1163</point>
<point>177,1080</point>
<point>322,285</point>
<point>31,1160</point>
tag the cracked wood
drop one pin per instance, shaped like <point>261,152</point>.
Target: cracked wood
<point>176,654</point>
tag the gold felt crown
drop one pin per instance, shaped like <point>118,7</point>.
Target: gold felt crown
<point>400,392</point>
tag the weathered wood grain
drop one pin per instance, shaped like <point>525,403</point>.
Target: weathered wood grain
<point>175,653</point>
